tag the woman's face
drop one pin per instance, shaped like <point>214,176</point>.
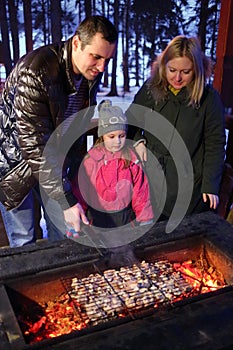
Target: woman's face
<point>114,141</point>
<point>179,72</point>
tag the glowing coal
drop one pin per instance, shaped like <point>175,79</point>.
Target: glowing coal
<point>117,293</point>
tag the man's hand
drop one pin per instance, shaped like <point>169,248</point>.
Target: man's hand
<point>74,215</point>
<point>213,198</point>
<point>141,151</point>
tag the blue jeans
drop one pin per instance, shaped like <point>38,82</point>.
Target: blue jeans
<point>19,222</point>
<point>54,217</point>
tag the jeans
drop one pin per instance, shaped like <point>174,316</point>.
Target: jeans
<point>20,222</point>
<point>54,217</point>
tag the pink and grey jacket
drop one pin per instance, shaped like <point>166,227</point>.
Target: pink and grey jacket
<point>105,183</point>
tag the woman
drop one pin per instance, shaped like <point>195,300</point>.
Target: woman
<point>179,93</point>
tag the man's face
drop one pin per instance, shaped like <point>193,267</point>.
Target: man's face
<point>93,58</point>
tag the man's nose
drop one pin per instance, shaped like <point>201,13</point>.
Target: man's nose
<point>101,65</point>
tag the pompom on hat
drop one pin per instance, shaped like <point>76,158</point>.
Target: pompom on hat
<point>111,118</point>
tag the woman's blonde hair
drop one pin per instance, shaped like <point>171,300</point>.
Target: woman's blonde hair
<point>189,47</point>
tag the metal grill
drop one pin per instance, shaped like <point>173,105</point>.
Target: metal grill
<point>120,292</point>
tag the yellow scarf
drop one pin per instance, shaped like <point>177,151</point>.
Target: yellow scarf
<point>173,90</point>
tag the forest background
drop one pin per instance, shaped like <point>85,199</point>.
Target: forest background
<point>145,28</point>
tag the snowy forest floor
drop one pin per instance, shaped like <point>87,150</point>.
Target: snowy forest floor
<point>123,99</point>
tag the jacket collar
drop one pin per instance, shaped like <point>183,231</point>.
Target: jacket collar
<point>100,153</point>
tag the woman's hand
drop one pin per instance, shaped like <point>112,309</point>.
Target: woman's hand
<point>73,217</point>
<point>213,198</point>
<point>141,151</point>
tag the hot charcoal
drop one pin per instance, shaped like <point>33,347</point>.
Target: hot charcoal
<point>170,290</point>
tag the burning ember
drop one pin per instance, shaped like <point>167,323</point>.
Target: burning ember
<point>60,317</point>
<point>204,278</point>
<point>113,294</point>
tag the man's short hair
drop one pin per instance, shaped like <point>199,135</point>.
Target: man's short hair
<point>96,24</point>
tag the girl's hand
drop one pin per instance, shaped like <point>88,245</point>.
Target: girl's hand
<point>213,198</point>
<point>141,151</point>
<point>73,217</point>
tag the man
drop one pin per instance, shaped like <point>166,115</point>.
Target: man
<point>46,87</point>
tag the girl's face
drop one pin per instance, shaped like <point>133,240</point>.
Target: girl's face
<point>179,72</point>
<point>114,141</point>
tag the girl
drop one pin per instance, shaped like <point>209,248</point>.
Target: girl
<point>111,185</point>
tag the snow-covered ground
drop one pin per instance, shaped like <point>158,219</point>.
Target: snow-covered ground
<point>123,100</point>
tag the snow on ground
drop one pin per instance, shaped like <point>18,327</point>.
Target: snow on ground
<point>123,100</point>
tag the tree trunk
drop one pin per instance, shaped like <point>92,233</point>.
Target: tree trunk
<point>126,49</point>
<point>106,73</point>
<point>203,23</point>
<point>56,20</point>
<point>113,91</point>
<point>27,14</point>
<point>137,70</point>
<point>14,29</point>
<point>88,8</point>
<point>214,31</point>
<point>94,7</point>
<point>103,6</point>
<point>5,37</point>
<point>44,21</point>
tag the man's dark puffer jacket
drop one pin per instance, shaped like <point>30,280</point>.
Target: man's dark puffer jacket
<point>32,106</point>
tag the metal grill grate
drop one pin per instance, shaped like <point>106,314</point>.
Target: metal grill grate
<point>119,292</point>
